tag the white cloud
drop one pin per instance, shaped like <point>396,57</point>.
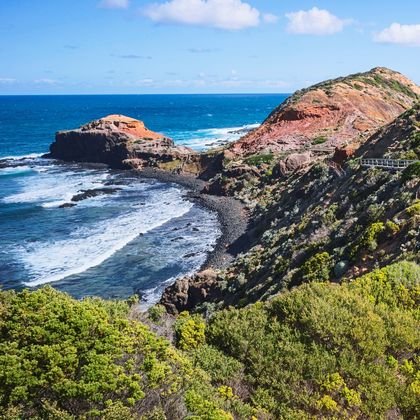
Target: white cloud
<point>400,34</point>
<point>223,14</point>
<point>315,22</point>
<point>114,4</point>
<point>7,80</point>
<point>270,18</point>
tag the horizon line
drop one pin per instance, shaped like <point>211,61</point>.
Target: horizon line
<point>144,94</point>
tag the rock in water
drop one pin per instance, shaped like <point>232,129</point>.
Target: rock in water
<point>120,142</point>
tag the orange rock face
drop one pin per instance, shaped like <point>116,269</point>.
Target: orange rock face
<point>121,123</point>
<point>333,113</point>
<point>341,154</point>
<point>121,141</point>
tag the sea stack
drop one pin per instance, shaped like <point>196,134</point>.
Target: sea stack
<point>120,142</point>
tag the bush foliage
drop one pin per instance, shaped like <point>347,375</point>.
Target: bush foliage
<point>321,350</point>
<point>412,171</point>
<point>62,358</point>
<point>325,349</point>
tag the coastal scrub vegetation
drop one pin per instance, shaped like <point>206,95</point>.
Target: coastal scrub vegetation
<point>258,160</point>
<point>63,359</point>
<point>321,350</point>
<point>330,351</point>
<point>319,140</point>
<point>324,223</point>
<point>320,318</point>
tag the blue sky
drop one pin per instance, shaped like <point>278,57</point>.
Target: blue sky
<point>200,46</point>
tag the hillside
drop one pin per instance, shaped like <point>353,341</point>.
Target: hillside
<point>321,222</point>
<point>333,113</point>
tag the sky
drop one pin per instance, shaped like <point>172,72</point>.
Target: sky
<point>200,46</point>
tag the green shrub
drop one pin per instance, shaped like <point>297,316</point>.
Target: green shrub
<point>189,331</point>
<point>414,209</point>
<point>326,403</point>
<point>409,155</point>
<point>63,358</point>
<point>319,140</point>
<point>258,160</point>
<point>204,409</point>
<point>397,285</point>
<point>317,267</point>
<point>323,349</point>
<point>220,367</point>
<point>412,171</point>
<point>368,241</point>
<point>392,228</point>
<point>156,312</point>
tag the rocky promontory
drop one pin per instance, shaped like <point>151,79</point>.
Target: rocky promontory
<point>121,142</point>
<point>331,114</point>
<point>336,115</point>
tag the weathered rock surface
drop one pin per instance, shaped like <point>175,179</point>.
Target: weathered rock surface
<point>341,154</point>
<point>188,292</point>
<point>84,194</point>
<point>121,142</point>
<point>293,162</point>
<point>333,113</point>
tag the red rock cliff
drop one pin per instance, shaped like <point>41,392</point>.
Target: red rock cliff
<point>333,114</point>
<point>119,141</point>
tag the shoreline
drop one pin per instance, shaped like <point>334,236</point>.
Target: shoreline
<point>231,214</point>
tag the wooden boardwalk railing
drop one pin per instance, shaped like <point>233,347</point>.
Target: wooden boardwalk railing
<point>387,163</point>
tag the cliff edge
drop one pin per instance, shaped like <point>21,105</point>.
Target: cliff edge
<point>119,141</point>
<point>333,113</point>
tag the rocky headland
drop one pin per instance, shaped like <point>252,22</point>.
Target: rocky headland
<point>118,141</point>
<point>314,212</point>
<point>334,113</point>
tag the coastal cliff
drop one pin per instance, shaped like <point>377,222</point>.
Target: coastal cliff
<point>324,222</point>
<point>333,113</point>
<point>120,142</point>
<point>314,211</point>
<point>336,114</point>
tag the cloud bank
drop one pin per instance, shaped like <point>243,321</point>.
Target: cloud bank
<point>222,14</point>
<point>315,22</point>
<point>399,34</point>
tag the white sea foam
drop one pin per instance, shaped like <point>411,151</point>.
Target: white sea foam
<point>190,243</point>
<point>88,247</point>
<point>52,186</point>
<point>20,157</point>
<point>15,170</point>
<point>205,138</point>
<point>52,204</point>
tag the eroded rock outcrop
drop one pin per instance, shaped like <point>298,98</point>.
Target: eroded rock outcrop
<point>188,292</point>
<point>332,114</point>
<point>294,162</point>
<point>122,142</point>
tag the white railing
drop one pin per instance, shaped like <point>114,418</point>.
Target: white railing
<point>387,163</point>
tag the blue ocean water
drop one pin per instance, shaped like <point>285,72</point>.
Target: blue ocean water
<point>139,236</point>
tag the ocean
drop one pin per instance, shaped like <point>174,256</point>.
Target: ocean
<point>137,239</point>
